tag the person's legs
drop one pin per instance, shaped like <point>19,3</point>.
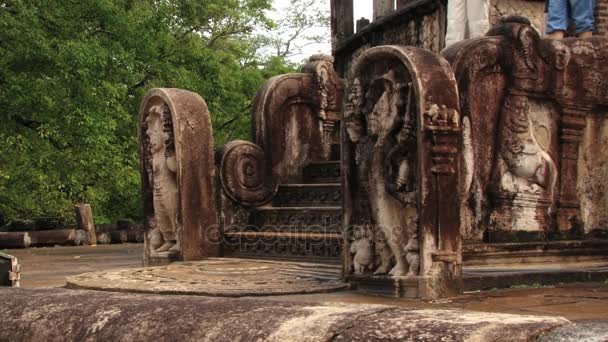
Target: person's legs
<point>456,21</point>
<point>557,18</point>
<point>478,16</point>
<point>582,15</point>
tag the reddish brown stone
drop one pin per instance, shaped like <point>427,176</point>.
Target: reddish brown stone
<point>526,102</point>
<point>188,125</point>
<point>73,315</point>
<point>295,118</point>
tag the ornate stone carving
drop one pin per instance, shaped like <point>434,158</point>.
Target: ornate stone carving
<point>292,111</point>
<point>243,174</point>
<point>524,166</point>
<point>526,101</point>
<point>383,129</point>
<point>177,177</point>
<point>399,149</point>
<point>163,164</point>
<point>362,250</point>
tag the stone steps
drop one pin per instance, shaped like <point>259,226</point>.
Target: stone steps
<point>312,195</point>
<point>302,223</point>
<point>322,172</point>
<point>324,219</point>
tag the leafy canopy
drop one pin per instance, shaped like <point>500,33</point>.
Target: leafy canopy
<point>73,73</point>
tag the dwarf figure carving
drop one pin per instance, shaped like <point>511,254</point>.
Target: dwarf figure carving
<point>164,178</point>
<point>363,254</point>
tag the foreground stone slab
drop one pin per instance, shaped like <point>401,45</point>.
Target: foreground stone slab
<point>76,315</point>
<point>222,277</point>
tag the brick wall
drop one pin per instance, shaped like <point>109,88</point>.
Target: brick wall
<point>601,17</point>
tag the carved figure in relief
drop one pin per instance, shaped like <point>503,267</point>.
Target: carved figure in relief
<point>352,117</point>
<point>362,251</point>
<point>524,166</point>
<point>385,156</point>
<point>164,167</point>
<point>413,248</point>
<point>441,116</point>
<point>384,254</point>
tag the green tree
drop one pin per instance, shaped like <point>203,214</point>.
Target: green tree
<point>73,73</point>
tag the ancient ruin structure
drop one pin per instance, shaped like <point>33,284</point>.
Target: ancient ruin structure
<point>280,196</point>
<point>403,163</point>
<point>400,150</point>
<point>178,177</point>
<point>531,108</point>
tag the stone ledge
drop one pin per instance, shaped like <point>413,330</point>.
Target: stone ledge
<point>76,315</point>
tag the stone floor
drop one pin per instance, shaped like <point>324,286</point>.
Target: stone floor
<point>49,267</point>
<point>583,303</point>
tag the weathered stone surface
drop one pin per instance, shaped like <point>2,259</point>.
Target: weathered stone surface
<point>84,219</point>
<point>295,121</point>
<point>415,23</point>
<point>531,9</point>
<point>178,176</point>
<point>584,331</point>
<point>342,21</point>
<point>217,277</point>
<point>243,174</point>
<point>295,117</point>
<point>529,106</point>
<point>73,315</point>
<point>400,155</point>
<point>383,8</point>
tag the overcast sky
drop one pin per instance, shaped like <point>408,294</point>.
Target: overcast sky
<point>363,8</point>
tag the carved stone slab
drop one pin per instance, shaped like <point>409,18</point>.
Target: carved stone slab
<point>178,177</point>
<point>295,118</point>
<point>400,147</point>
<point>526,103</point>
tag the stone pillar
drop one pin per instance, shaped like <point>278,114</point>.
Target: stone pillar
<point>84,219</point>
<point>382,8</point>
<point>402,3</point>
<point>571,134</point>
<point>601,17</point>
<point>342,21</point>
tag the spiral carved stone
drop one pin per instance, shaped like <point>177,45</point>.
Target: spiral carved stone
<point>243,175</point>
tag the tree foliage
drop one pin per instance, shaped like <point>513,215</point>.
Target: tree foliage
<point>300,23</point>
<point>73,73</point>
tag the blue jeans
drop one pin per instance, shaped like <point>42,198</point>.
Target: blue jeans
<point>580,11</point>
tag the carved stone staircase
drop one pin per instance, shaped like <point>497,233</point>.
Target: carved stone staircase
<point>303,221</point>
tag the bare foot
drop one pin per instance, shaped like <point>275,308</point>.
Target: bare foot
<point>175,248</point>
<point>398,271</point>
<point>166,246</point>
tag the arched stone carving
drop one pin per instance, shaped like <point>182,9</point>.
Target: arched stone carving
<point>178,176</point>
<point>295,118</point>
<point>400,148</point>
<point>243,174</point>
